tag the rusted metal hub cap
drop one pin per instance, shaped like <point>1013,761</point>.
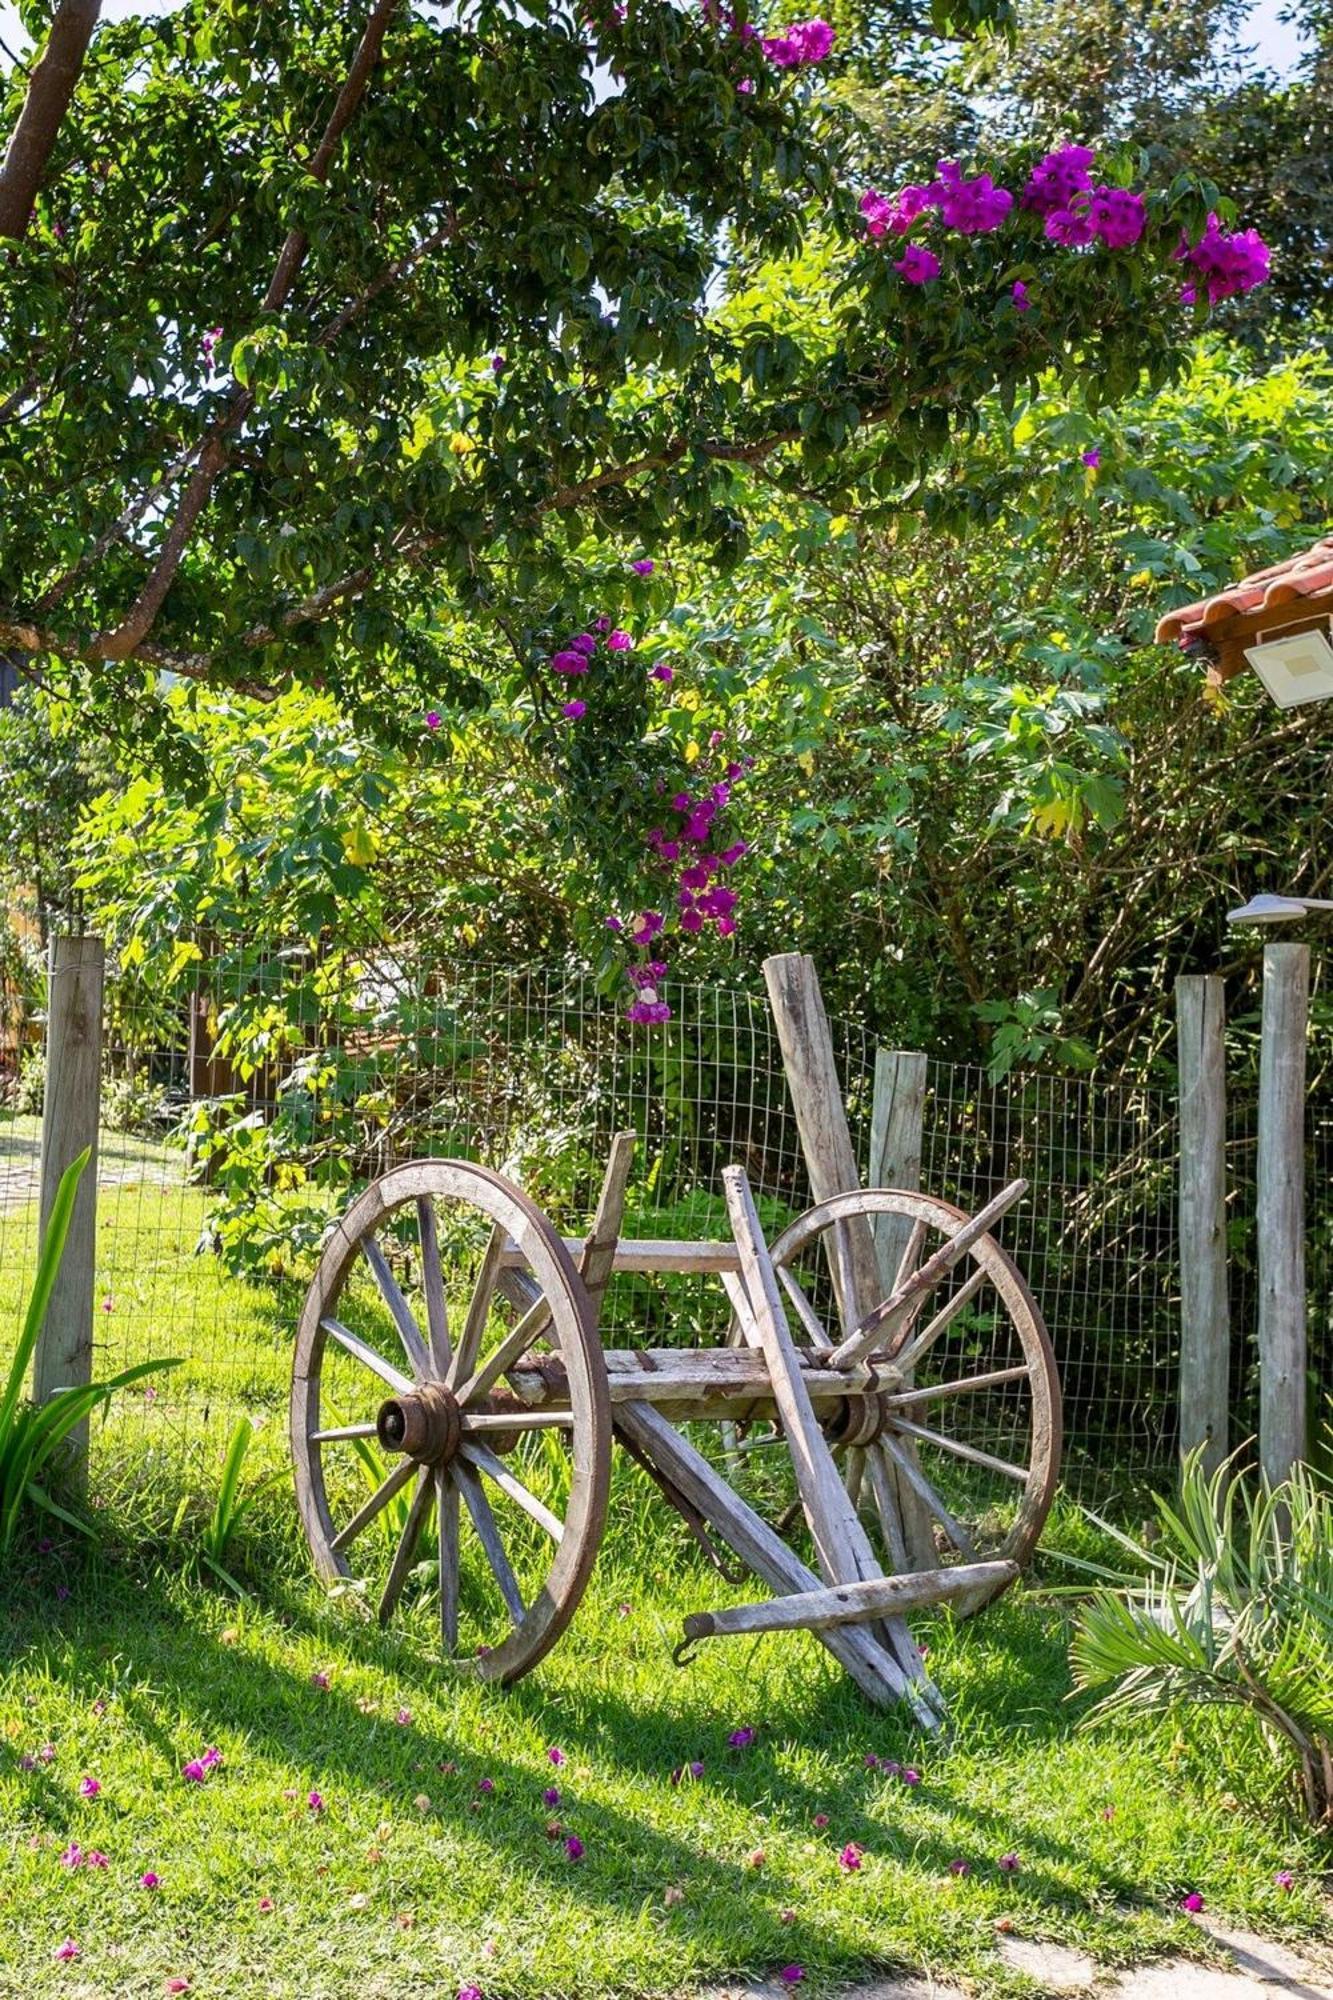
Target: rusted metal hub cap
<point>423,1425</point>
<point>858,1420</point>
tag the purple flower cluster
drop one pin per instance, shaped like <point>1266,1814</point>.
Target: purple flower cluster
<point>803,43</point>
<point>972,207</point>
<point>1058,178</point>
<point>1060,189</point>
<point>1228,262</point>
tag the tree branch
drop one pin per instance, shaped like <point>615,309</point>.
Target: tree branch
<point>127,637</point>
<point>50,88</point>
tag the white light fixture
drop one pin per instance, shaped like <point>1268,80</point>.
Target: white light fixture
<point>1276,909</point>
<point>1296,668</point>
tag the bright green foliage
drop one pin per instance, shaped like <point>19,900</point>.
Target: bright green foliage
<point>1235,1608</point>
<point>31,1435</point>
<point>230,1506</point>
<point>256,469</point>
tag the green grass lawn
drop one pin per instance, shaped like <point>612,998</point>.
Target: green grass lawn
<point>414,1878</point>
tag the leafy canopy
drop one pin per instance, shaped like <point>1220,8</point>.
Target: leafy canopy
<point>332,325</point>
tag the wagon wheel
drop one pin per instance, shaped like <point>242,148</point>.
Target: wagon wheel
<point>438,1278</point>
<point>969,1416</point>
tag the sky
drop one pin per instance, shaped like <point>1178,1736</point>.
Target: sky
<point>1277,44</point>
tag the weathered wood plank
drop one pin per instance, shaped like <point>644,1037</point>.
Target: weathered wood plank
<point>70,1115</point>
<point>897,1123</point>
<point>756,1543</point>
<point>894,1315</point>
<point>1283,1357</point>
<point>850,1603</point>
<point>1205,1330</point>
<point>826,1143</point>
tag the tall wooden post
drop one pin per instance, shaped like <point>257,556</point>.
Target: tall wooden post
<point>826,1143</point>
<point>897,1119</point>
<point>1281,1208</point>
<point>70,1108</point>
<point>1205,1331</point>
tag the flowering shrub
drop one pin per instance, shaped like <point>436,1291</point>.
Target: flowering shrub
<point>1074,213</point>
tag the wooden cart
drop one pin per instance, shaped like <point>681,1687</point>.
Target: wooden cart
<point>451,1372</point>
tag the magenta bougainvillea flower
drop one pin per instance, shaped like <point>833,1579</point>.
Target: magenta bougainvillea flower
<point>792,1975</point>
<point>1228,263</point>
<point>917,265</point>
<point>486,1784</point>
<point>69,1950</point>
<point>851,1857</point>
<point>315,1802</point>
<point>960,1867</point>
<point>319,1678</point>
<point>1092,457</point>
<point>661,672</point>
<point>89,1787</point>
<point>194,1772</point>
<point>1019,295</point>
<point>911,1776</point>
<point>1193,1902</point>
<point>741,1739</point>
<point>574,1847</point>
<point>1057,178</point>
<point>803,43</point>
<point>643,566</point>
<point>820,1820</point>
<point>469,1993</point>
<point>432,722</point>
<point>72,1856</point>
<point>95,1858</point>
<point>551,1796</point>
<point>1008,1863</point>
<point>618,641</point>
<point>554,1756</point>
<point>1118,216</point>
<point>150,1879</point>
<point>972,207</point>
<point>1285,1879</point>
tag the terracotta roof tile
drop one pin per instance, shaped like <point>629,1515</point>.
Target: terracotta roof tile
<point>1305,575</point>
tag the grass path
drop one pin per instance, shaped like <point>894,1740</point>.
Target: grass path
<point>413,1878</point>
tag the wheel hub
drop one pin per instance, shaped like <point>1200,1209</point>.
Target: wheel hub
<point>858,1420</point>
<point>424,1424</point>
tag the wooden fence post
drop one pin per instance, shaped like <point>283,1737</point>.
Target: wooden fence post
<point>70,1106</point>
<point>1281,1208</point>
<point>896,1123</point>
<point>1205,1330</point>
<point>826,1143</point>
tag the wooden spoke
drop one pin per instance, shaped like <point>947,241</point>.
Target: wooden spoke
<point>337,1431</point>
<point>911,1256</point>
<point>805,1312</point>
<point>509,1483</point>
<point>479,1507</point>
<point>432,1283</point>
<point>479,1305</point>
<point>511,1349</point>
<point>407,1547</point>
<point>446,1522</point>
<point>970,1452</point>
<point>925,1492</point>
<point>908,1357</point>
<point>903,1399</point>
<point>408,1330</point>
<point>886,1506</point>
<point>854,1474</point>
<point>353,1344</point>
<point>890,1317</point>
<point>381,1497</point>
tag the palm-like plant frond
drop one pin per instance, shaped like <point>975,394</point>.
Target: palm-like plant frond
<point>1234,1605</point>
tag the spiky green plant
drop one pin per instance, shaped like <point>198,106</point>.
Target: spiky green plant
<point>1232,1606</point>
<point>32,1434</point>
<point>230,1506</point>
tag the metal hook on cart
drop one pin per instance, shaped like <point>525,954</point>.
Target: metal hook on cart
<point>683,1654</point>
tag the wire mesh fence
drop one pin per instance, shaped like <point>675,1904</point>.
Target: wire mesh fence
<point>240,1116</point>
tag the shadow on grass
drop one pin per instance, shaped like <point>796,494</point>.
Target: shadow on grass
<point>1013,1675</point>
